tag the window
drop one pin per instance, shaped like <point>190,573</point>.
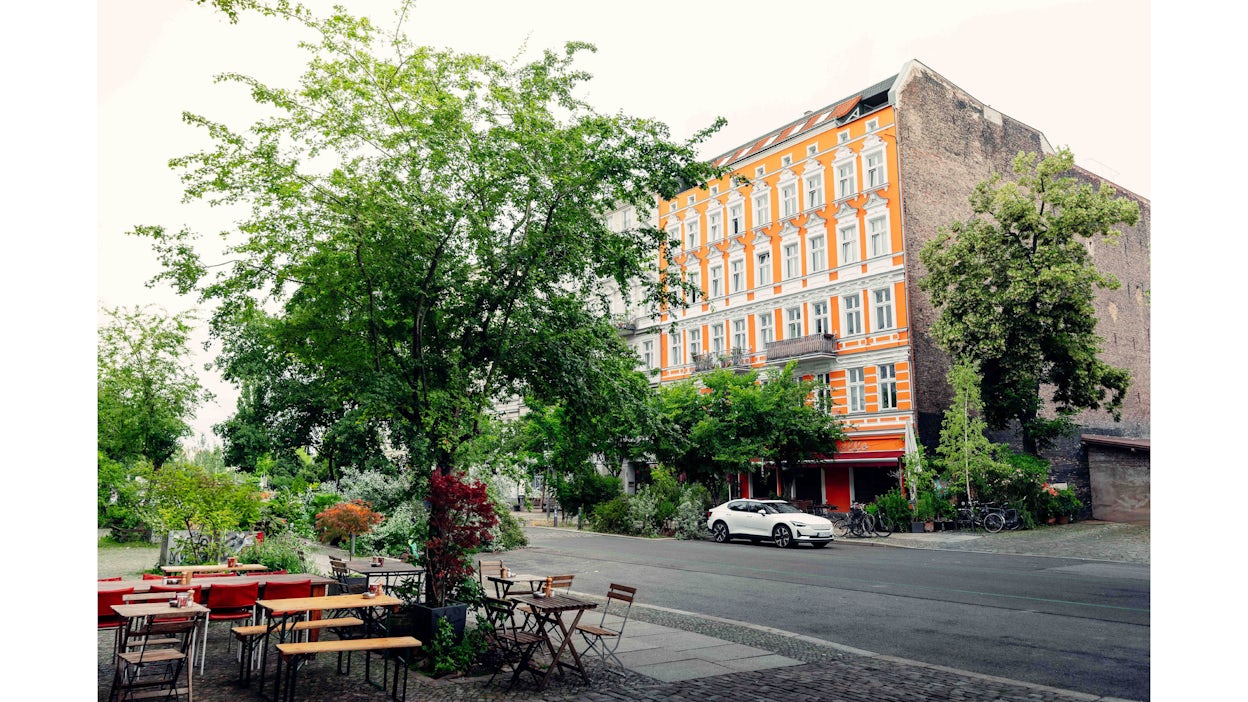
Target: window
<point>883,308</point>
<point>792,260</point>
<point>793,322</point>
<point>819,317</point>
<point>818,253</point>
<point>717,337</point>
<point>628,219</point>
<point>739,340</point>
<point>788,199</point>
<point>736,275</point>
<point>689,200</point>
<point>877,235</point>
<point>717,281</point>
<point>845,185</point>
<point>823,391</point>
<point>842,137</point>
<point>857,390</point>
<point>848,238</point>
<point>764,268</point>
<point>873,124</point>
<point>786,161</point>
<point>714,190</point>
<point>812,149</point>
<point>887,379</point>
<point>691,234</point>
<point>736,222</point>
<point>814,191</point>
<point>762,209</point>
<point>647,354</point>
<point>765,332</point>
<point>695,279</point>
<point>673,235</point>
<point>695,342</point>
<point>876,175</point>
<point>758,172</point>
<point>678,348</point>
<point>713,230</point>
<point>851,308</point>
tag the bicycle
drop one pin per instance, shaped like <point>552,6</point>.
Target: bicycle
<point>860,522</point>
<point>879,524</point>
<point>972,516</point>
<point>1013,520</point>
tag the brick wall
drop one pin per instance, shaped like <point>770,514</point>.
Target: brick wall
<point>948,142</point>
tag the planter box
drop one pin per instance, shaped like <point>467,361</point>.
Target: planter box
<point>422,622</point>
<point>917,528</point>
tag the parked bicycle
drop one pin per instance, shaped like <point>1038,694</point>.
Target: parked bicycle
<point>859,522</point>
<point>1013,520</point>
<point>973,515</point>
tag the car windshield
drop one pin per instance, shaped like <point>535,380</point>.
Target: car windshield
<point>780,507</point>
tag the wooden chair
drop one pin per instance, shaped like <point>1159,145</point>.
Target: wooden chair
<point>560,584</point>
<point>230,602</point>
<point>485,569</point>
<point>603,640</point>
<point>508,644</point>
<point>157,660</point>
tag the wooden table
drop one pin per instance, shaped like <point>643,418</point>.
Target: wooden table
<point>130,613</point>
<point>320,583</point>
<point>280,613</point>
<point>188,570</point>
<point>504,583</point>
<point>549,614</point>
<point>391,572</point>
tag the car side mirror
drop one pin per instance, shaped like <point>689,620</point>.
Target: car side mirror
<point>761,510</point>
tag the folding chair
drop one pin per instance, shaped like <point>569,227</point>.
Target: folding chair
<point>509,645</point>
<point>157,661</point>
<point>108,619</point>
<point>603,640</point>
<point>231,602</point>
<point>487,568</point>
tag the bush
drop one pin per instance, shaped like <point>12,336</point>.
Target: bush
<point>346,519</point>
<point>407,524</point>
<point>384,492</point>
<point>643,512</point>
<point>612,517</point>
<point>279,552</point>
<point>508,534</point>
<point>447,655</point>
<point>895,507</point>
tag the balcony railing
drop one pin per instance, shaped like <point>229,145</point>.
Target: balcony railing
<point>736,358</point>
<point>813,346</point>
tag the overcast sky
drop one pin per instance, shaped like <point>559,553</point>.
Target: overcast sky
<point>1076,70</point>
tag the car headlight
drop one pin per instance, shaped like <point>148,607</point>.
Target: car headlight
<point>800,524</point>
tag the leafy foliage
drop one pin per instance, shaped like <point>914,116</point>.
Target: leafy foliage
<point>346,519</point>
<point>460,519</point>
<point>145,387</point>
<point>894,505</point>
<point>1015,286</point>
<point>448,655</point>
<point>426,234</point>
<point>187,496</point>
<point>965,453</point>
<point>277,552</point>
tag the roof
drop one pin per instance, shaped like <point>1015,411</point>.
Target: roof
<point>869,98</point>
<point>1115,441</point>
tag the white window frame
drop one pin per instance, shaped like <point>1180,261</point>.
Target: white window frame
<point>714,227</point>
<point>695,342</point>
<point>647,354</point>
<point>846,179</point>
<point>691,234</point>
<point>762,268</point>
<point>851,314</point>
<point>736,219</point>
<point>792,260</point>
<point>793,323</point>
<point>714,190</point>
<point>673,234</point>
<point>847,243</point>
<point>874,176</point>
<point>736,275</point>
<point>717,337</point>
<point>786,161</point>
<point>677,348</point>
<point>762,209</point>
<point>813,189</point>
<point>856,389</point>
<point>823,392</point>
<point>740,337</point>
<point>766,328</point>
<point>818,245</point>
<point>788,200</point>
<point>842,137</point>
<point>812,149</point>
<point>716,279</point>
<point>882,308</point>
<point>873,124</point>
<point>820,324</point>
<point>690,200</point>
<point>878,239</point>
<point>694,276</point>
<point>886,383</point>
<point>759,171</point>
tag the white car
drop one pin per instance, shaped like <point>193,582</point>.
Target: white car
<point>774,520</point>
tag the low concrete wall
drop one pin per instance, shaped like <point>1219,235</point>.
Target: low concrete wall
<point>1121,484</point>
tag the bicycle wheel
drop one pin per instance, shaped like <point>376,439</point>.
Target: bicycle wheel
<point>994,522</point>
<point>841,526</point>
<point>883,527</point>
<point>858,527</point>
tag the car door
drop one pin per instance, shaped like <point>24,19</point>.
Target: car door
<point>753,523</point>
<point>733,516</point>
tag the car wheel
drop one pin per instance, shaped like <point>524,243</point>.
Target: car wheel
<point>819,544</point>
<point>720,532</point>
<point>783,537</point>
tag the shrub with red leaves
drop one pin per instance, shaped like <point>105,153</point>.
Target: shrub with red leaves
<point>346,519</point>
<point>460,518</point>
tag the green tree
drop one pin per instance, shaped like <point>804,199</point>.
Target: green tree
<point>187,496</point>
<point>427,229</point>
<point>146,389</point>
<point>965,453</point>
<point>1015,285</point>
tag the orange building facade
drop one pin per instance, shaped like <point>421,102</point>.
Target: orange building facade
<point>799,256</point>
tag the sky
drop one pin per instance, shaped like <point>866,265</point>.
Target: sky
<point>95,89</point>
<point>677,62</point>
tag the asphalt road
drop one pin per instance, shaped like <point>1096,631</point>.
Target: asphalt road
<point>1074,624</point>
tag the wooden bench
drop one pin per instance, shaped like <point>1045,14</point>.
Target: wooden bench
<point>294,653</point>
<point>247,636</point>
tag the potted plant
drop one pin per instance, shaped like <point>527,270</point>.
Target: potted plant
<point>461,516</point>
<point>926,509</point>
<point>1067,505</point>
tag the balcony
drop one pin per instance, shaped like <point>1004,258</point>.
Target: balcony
<point>737,359</point>
<point>815,346</point>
